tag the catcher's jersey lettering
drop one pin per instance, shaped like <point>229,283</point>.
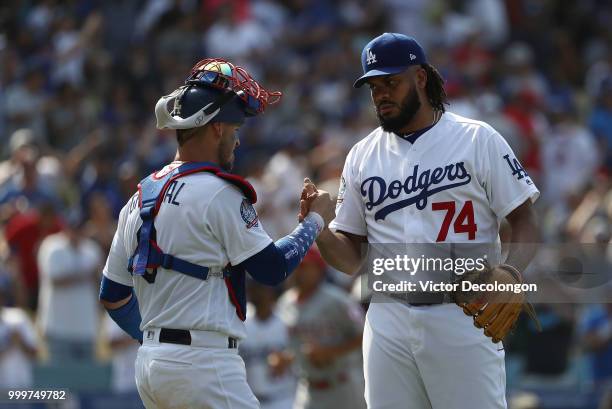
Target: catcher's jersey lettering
<point>455,183</point>
<point>173,192</point>
<point>212,233</point>
<point>133,203</point>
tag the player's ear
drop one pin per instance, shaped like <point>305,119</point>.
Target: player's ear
<point>420,77</point>
<point>217,130</point>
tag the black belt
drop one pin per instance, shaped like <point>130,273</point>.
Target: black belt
<point>183,337</point>
<point>418,299</point>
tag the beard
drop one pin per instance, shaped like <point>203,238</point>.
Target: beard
<point>225,155</point>
<point>408,109</point>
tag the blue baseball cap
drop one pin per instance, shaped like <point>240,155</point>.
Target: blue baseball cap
<point>389,53</point>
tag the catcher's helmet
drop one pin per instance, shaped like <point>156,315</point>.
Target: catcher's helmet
<point>215,91</point>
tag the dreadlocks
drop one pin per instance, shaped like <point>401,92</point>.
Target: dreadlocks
<point>435,88</point>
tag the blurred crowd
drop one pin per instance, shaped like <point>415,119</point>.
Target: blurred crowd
<point>80,78</point>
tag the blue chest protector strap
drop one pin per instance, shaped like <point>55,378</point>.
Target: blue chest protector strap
<point>148,256</point>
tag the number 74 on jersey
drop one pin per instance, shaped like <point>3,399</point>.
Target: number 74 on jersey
<point>463,223</point>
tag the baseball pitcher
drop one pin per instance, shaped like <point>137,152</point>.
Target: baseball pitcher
<point>430,176</point>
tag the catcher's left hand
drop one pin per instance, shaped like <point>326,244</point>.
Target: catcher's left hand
<point>495,311</point>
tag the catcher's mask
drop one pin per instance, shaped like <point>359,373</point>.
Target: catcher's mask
<point>215,91</point>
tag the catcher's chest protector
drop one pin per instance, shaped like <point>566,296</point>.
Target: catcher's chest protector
<point>148,256</point>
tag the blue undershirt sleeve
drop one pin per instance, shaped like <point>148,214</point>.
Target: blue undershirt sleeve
<point>127,316</point>
<point>113,291</point>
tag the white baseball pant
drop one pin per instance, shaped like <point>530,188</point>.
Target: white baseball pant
<point>430,357</point>
<point>170,376</point>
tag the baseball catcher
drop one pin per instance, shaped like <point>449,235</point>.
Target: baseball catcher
<point>175,274</point>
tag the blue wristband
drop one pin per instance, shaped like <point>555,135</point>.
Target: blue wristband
<point>296,244</point>
<point>276,262</point>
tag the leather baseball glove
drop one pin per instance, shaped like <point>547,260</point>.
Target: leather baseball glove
<point>496,311</point>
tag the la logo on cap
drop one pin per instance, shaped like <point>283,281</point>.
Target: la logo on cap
<point>389,54</point>
<point>371,57</point>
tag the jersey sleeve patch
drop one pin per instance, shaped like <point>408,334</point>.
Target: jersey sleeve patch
<point>517,169</point>
<point>248,214</point>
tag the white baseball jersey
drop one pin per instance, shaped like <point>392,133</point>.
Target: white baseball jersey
<point>454,184</point>
<point>329,317</point>
<point>15,365</point>
<point>203,220</point>
<point>57,315</point>
<point>263,338</point>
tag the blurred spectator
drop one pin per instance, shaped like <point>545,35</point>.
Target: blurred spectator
<point>601,121</point>
<point>101,225</point>
<point>492,20</point>
<point>569,158</point>
<point>21,146</point>
<point>313,23</point>
<point>99,177</point>
<point>411,13</point>
<point>26,103</point>
<point>149,15</point>
<point>18,344</point>
<point>474,61</point>
<point>272,384</point>
<point>70,46</point>
<point>247,36</point>
<point>595,204</point>
<point>521,75</point>
<point>548,351</point>
<point>68,308</point>
<point>67,117</point>
<point>523,111</point>
<point>490,108</point>
<point>128,180</point>
<point>123,350</point>
<point>282,179</point>
<point>596,329</point>
<point>271,15</point>
<point>24,183</point>
<point>325,329</point>
<point>24,232</point>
